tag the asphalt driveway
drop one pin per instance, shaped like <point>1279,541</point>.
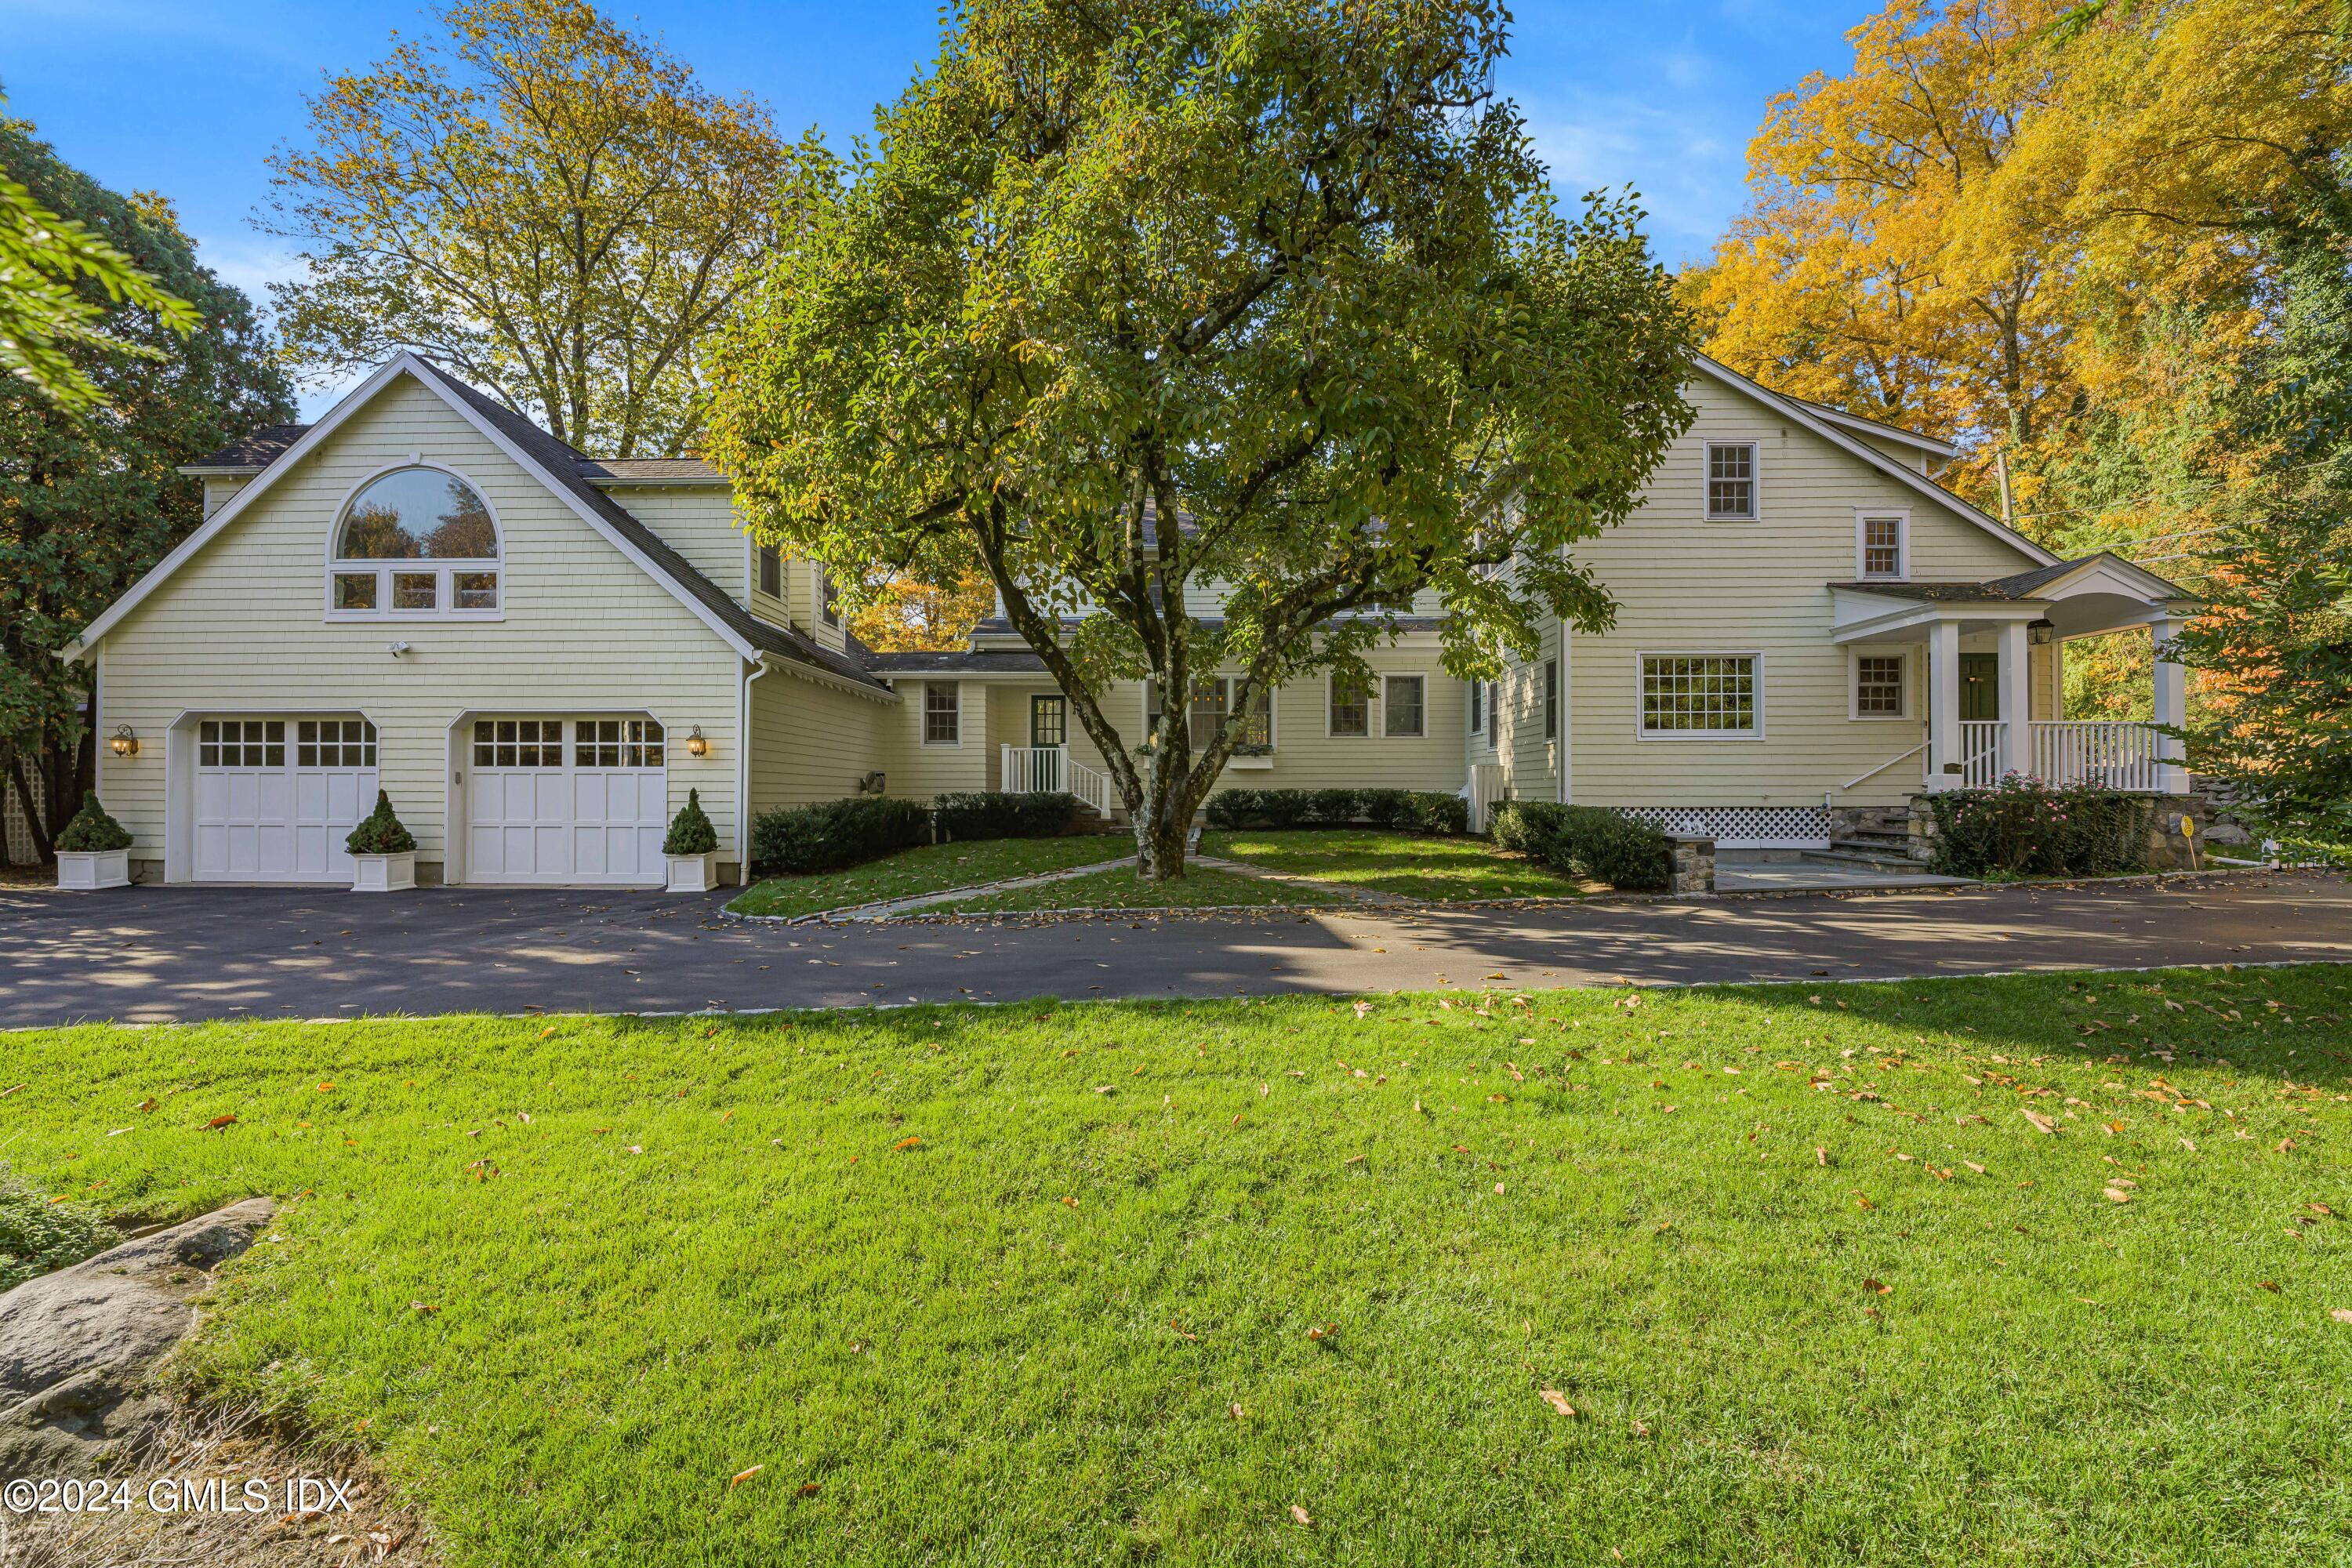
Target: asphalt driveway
<point>164,953</point>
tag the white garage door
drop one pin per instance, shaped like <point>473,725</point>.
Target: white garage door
<point>275,797</point>
<point>566,800</point>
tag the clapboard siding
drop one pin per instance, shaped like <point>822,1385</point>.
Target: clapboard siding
<point>240,628</point>
<point>699,523</point>
<point>810,743</point>
<point>1684,585</point>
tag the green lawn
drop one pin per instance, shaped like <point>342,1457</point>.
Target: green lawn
<point>1438,868</point>
<point>932,869</point>
<point>1199,888</point>
<point>1044,1284</point>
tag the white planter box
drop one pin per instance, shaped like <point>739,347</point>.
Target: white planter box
<point>692,873</point>
<point>1246,765</point>
<point>87,870</point>
<point>384,873</point>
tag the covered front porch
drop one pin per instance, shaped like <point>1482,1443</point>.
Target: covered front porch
<point>1990,706</point>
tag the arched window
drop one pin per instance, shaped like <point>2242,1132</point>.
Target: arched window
<point>416,542</point>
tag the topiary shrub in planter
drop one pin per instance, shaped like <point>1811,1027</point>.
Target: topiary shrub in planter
<point>836,833</point>
<point>690,850</point>
<point>383,852</point>
<point>2023,828</point>
<point>94,851</point>
<point>997,813</point>
<point>1630,855</point>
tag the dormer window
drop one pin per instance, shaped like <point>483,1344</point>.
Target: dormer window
<point>414,543</point>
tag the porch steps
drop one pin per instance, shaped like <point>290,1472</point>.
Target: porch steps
<point>1876,851</point>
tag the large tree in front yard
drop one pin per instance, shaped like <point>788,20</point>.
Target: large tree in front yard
<point>161,364</point>
<point>1284,269</point>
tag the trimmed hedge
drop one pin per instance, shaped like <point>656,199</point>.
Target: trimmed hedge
<point>995,813</point>
<point>379,832</point>
<point>1398,810</point>
<point>1629,854</point>
<point>690,832</point>
<point>837,833</point>
<point>2023,828</point>
<point>92,831</point>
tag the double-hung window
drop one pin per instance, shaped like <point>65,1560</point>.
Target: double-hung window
<point>943,713</point>
<point>1403,711</point>
<point>1699,696</point>
<point>1878,686</point>
<point>1551,700</point>
<point>1878,545</point>
<point>1731,482</point>
<point>1478,707</point>
<point>1212,698</point>
<point>771,571</point>
<point>828,605</point>
<point>1350,707</point>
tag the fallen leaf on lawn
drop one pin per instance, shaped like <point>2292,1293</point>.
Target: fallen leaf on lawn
<point>1821,1156</point>
<point>1557,1400</point>
<point>424,1307</point>
<point>547,1033</point>
<point>1872,1288</point>
<point>1071,1202</point>
<point>1362,1008</point>
<point>1104,1088</point>
<point>1353,1159</point>
<point>1864,1203</point>
<point>2320,1208</point>
<point>740,1476</point>
<point>1972,1165</point>
<point>1180,1331</point>
<point>1417,1109</point>
<point>2341,1314</point>
<point>326,1088</point>
<point>2115,1194</point>
<point>1640,1430</point>
<point>2041,1122</point>
<point>907,1143</point>
<point>146,1104</point>
<point>218,1122</point>
<point>810,1489</point>
<point>1299,1514</point>
<point>1236,1410</point>
<point>2270,1285</point>
<point>1499,1189</point>
<point>1323,1333</point>
<point>2185,1143</point>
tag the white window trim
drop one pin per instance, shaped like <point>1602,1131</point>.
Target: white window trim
<point>1755,513</point>
<point>1372,715</point>
<point>1862,518</point>
<point>1419,680</point>
<point>923,717</point>
<point>1643,656</point>
<point>1854,653</point>
<point>445,596</point>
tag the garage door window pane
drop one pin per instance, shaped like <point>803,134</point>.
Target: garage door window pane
<point>519,742</point>
<point>596,743</point>
<point>334,743</point>
<point>643,745</point>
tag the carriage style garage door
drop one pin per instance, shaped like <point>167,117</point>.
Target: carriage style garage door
<point>566,800</point>
<point>275,797</point>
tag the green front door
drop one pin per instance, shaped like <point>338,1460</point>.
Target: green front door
<point>1049,721</point>
<point>1979,686</point>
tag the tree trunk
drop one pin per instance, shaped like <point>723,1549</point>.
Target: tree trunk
<point>1162,822</point>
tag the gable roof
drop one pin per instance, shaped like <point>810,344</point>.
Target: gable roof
<point>2023,585</point>
<point>554,465</point>
<point>248,454</point>
<point>1880,428</point>
<point>1800,413</point>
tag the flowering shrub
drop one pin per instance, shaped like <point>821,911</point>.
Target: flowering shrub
<point>2023,828</point>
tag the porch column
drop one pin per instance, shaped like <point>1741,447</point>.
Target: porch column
<point>2017,697</point>
<point>1944,761</point>
<point>2171,707</point>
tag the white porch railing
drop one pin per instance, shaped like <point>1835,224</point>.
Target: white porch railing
<point>2110,754</point>
<point>1051,770</point>
<point>1035,770</point>
<point>1981,752</point>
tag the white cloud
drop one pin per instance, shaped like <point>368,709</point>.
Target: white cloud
<point>1690,174</point>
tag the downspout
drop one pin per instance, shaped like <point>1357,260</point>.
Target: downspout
<point>743,774</point>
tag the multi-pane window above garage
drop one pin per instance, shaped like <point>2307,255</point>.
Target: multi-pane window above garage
<point>417,542</point>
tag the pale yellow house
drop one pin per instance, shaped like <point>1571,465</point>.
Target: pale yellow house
<point>538,654</point>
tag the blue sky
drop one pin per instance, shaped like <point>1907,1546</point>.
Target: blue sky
<point>188,97</point>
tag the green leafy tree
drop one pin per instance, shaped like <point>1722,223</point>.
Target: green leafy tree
<point>2275,640</point>
<point>541,200</point>
<point>89,499</point>
<point>1261,299</point>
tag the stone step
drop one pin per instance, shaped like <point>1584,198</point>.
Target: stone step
<point>1847,852</point>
